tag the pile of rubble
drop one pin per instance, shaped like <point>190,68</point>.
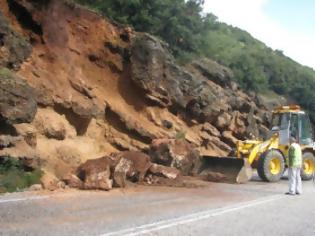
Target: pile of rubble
<point>175,158</point>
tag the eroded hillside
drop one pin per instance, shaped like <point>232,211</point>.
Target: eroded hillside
<point>96,88</point>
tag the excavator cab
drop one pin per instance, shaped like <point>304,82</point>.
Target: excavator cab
<point>292,123</point>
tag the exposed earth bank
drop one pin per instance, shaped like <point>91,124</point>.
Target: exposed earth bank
<point>77,87</point>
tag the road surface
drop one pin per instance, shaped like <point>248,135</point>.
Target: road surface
<point>255,208</point>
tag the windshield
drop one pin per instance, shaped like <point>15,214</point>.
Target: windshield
<point>306,130</point>
<point>280,120</point>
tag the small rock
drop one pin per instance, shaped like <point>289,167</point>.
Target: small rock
<point>49,182</point>
<point>210,129</point>
<point>167,124</point>
<point>168,172</point>
<point>36,187</point>
<point>73,181</point>
<point>61,185</point>
<point>31,139</point>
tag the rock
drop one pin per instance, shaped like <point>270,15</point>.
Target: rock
<point>221,145</point>
<point>206,138</point>
<point>28,132</point>
<point>246,107</point>
<point>134,126</point>
<point>17,99</point>
<point>167,124</point>
<point>85,108</point>
<point>95,174</point>
<point>36,187</point>
<point>175,153</point>
<point>49,182</point>
<point>210,129</point>
<point>228,138</point>
<point>252,129</point>
<point>125,169</point>
<point>215,72</point>
<point>132,166</point>
<point>31,139</point>
<point>237,125</point>
<point>61,185</point>
<point>73,181</point>
<point>155,72</point>
<point>168,172</point>
<point>8,141</point>
<point>213,177</point>
<point>269,103</point>
<point>53,125</point>
<point>223,121</point>
<point>80,86</point>
<point>160,151</point>
<point>14,48</point>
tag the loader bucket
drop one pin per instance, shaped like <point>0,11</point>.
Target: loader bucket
<point>225,169</point>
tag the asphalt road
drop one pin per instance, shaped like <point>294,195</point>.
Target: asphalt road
<point>255,208</point>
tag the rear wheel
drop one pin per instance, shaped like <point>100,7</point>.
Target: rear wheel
<point>271,166</point>
<point>308,166</point>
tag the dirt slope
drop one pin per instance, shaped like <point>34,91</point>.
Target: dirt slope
<point>91,100</point>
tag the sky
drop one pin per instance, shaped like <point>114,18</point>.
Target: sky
<point>286,25</point>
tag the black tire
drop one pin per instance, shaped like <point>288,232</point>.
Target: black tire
<point>264,169</point>
<point>310,159</point>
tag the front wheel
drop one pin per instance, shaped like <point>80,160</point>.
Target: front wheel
<point>271,166</point>
<point>308,166</point>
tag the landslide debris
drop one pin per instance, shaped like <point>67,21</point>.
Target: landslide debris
<point>84,88</point>
<point>118,170</point>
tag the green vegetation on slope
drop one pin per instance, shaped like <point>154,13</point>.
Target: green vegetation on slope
<point>175,21</point>
<point>14,176</point>
<point>191,34</point>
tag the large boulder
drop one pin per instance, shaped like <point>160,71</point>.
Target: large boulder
<point>95,174</point>
<point>17,99</point>
<point>179,154</point>
<point>215,72</point>
<point>154,71</point>
<point>132,166</point>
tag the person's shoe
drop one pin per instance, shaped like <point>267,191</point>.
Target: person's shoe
<point>289,193</point>
<point>298,193</point>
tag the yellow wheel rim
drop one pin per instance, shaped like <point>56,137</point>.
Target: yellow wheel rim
<point>275,166</point>
<point>309,167</point>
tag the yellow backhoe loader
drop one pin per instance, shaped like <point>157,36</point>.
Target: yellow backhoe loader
<point>269,157</point>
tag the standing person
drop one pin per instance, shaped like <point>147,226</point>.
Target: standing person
<point>295,165</point>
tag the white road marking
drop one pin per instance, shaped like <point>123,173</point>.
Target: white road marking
<point>23,199</point>
<point>147,228</point>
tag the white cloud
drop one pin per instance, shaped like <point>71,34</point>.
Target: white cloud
<point>250,16</point>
